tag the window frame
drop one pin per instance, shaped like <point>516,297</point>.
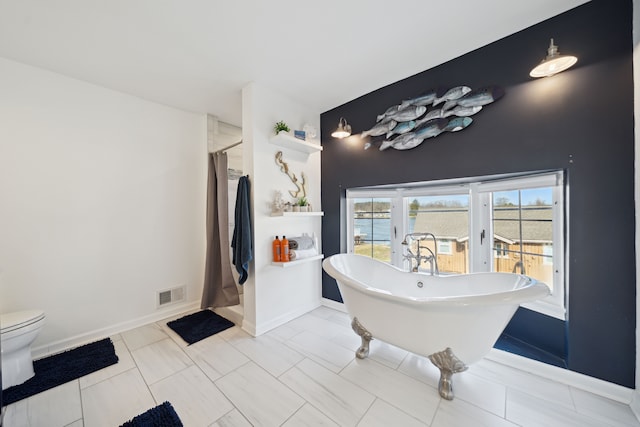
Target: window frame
<point>351,195</point>
<point>481,250</point>
<point>448,243</point>
<point>554,304</point>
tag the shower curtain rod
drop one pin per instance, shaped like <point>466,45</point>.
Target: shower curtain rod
<point>228,147</point>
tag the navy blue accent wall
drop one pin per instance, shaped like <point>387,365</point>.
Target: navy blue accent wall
<point>580,120</point>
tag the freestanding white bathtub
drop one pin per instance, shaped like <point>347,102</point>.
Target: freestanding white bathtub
<point>454,320</point>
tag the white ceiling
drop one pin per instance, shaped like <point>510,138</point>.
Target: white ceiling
<point>197,55</point>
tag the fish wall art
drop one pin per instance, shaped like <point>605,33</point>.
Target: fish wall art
<point>414,120</point>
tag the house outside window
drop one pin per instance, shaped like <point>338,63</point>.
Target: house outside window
<point>524,215</point>
<point>446,215</point>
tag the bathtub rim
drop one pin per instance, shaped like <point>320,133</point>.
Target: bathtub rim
<point>533,290</point>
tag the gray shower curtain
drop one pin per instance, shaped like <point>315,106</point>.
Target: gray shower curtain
<point>219,286</point>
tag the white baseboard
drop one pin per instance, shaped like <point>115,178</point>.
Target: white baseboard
<point>235,313</point>
<point>249,327</point>
<point>334,304</point>
<point>264,327</point>
<point>635,404</point>
<point>87,337</point>
<point>565,376</point>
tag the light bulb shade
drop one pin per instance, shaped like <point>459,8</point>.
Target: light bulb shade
<point>553,63</point>
<point>343,131</point>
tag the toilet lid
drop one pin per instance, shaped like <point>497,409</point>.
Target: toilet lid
<point>19,319</point>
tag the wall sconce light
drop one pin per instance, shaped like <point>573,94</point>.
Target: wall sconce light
<point>343,131</point>
<point>553,63</point>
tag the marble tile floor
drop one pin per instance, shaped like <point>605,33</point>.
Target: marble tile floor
<point>304,373</point>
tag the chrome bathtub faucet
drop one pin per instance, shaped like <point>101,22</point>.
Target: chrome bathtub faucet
<point>432,258</point>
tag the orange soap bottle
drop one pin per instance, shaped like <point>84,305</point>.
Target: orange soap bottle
<point>276,250</point>
<point>284,249</point>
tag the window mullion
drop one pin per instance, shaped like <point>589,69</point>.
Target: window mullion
<point>399,226</point>
<point>480,230</point>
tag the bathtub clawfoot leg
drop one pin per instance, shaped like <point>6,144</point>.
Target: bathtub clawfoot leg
<point>448,364</point>
<point>357,327</point>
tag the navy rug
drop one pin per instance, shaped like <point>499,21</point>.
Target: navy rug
<point>200,325</point>
<point>60,368</point>
<point>161,416</point>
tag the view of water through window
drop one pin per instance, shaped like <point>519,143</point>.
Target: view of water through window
<point>372,228</point>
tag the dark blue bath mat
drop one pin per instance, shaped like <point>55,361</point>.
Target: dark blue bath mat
<point>200,325</point>
<point>60,368</point>
<point>161,416</point>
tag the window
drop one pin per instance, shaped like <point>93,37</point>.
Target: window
<point>445,215</point>
<point>444,247</point>
<point>525,218</point>
<point>501,249</point>
<point>517,226</point>
<point>372,227</point>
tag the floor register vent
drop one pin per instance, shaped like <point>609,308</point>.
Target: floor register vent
<point>170,296</point>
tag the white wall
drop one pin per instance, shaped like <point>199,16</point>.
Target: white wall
<point>635,403</point>
<point>102,204</point>
<point>274,295</point>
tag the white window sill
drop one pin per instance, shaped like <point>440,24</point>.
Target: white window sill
<point>548,308</point>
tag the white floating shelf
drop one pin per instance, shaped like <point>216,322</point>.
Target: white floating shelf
<point>319,213</point>
<point>286,140</point>
<point>297,262</point>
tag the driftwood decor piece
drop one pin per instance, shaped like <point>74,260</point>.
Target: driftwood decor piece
<point>301,186</point>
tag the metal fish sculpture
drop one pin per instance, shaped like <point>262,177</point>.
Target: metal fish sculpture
<point>462,111</point>
<point>433,114</point>
<point>431,128</point>
<point>457,124</point>
<point>401,128</point>
<point>408,124</point>
<point>449,104</point>
<point>426,99</point>
<point>483,96</point>
<point>402,139</point>
<point>415,138</point>
<point>380,128</point>
<point>409,113</point>
<point>390,111</point>
<point>453,93</point>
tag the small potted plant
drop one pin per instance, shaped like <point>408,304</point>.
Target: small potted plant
<point>281,126</point>
<point>303,203</point>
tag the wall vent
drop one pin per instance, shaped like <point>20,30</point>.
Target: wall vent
<point>170,296</point>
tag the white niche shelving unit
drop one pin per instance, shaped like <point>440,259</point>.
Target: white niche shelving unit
<point>303,260</point>
<point>286,140</point>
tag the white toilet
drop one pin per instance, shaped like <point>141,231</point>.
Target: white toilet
<point>18,331</point>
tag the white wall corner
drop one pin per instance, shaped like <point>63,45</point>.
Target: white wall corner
<point>334,305</point>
